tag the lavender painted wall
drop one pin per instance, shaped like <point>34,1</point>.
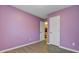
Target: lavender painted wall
<point>17,27</point>
<point>69,26</point>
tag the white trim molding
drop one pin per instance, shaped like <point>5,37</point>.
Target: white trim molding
<point>48,43</point>
<point>69,49</point>
<point>53,44</point>
<point>19,46</point>
<point>66,48</point>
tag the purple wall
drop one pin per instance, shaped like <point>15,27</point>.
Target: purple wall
<point>69,26</point>
<point>17,27</point>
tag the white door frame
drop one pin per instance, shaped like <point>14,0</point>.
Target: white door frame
<point>53,18</point>
<point>42,30</point>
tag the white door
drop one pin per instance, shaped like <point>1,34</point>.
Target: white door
<point>54,30</point>
<point>41,30</point>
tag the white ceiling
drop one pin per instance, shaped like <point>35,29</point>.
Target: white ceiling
<point>40,10</point>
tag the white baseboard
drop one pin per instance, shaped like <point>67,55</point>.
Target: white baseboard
<point>42,39</point>
<point>48,43</point>
<point>34,43</point>
<point>53,44</point>
<point>69,49</point>
<point>19,46</point>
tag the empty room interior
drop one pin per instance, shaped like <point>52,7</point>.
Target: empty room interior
<point>39,29</point>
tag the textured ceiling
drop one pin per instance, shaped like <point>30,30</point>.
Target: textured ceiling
<point>40,10</point>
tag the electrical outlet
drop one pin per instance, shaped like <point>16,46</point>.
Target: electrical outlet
<point>73,44</point>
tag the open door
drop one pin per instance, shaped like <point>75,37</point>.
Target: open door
<point>41,30</point>
<point>54,30</point>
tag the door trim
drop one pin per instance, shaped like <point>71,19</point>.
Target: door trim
<point>41,30</point>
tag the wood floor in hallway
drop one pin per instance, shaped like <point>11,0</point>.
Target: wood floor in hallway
<point>40,47</point>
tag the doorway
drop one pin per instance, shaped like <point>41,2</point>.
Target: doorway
<point>46,31</point>
<point>54,30</point>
